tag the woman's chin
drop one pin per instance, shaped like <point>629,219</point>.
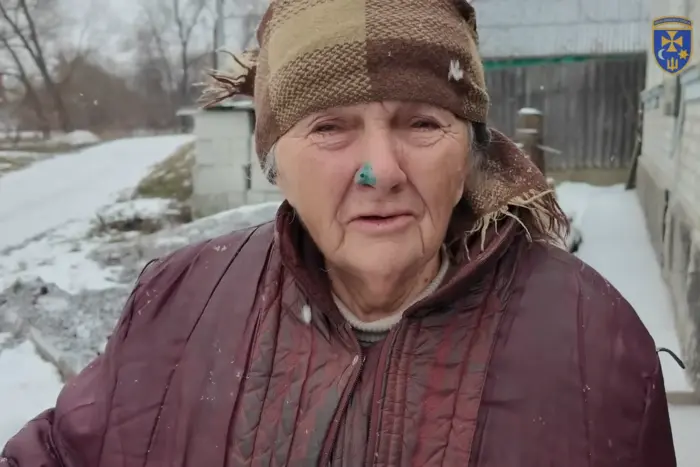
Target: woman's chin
<point>377,257</point>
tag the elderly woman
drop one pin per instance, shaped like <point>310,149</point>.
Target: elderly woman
<point>408,306</point>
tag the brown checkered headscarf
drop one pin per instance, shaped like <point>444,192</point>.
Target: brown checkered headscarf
<point>318,54</point>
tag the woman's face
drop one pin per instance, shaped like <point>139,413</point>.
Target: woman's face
<point>418,154</point>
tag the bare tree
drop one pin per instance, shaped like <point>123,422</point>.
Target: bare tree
<point>185,23</point>
<point>21,19</point>
<point>98,99</point>
<point>246,15</point>
<point>170,33</point>
<point>176,40</point>
<point>19,71</point>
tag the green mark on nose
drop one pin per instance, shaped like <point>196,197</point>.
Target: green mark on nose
<point>365,176</point>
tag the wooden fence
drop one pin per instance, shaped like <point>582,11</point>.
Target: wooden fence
<point>589,107</point>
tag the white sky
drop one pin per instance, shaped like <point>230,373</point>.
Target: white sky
<point>105,23</point>
<point>107,26</point>
<point>111,24</point>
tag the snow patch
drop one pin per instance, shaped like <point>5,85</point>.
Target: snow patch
<point>61,257</point>
<point>306,314</point>
<point>76,138</point>
<point>74,186</point>
<point>132,254</point>
<point>685,423</point>
<point>142,207</point>
<point>28,386</point>
<point>616,243</point>
<point>529,111</point>
<point>72,287</point>
<point>145,215</point>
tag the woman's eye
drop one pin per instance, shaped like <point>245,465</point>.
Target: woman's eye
<point>425,125</point>
<point>325,128</point>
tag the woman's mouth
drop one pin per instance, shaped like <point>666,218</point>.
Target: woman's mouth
<point>376,224</point>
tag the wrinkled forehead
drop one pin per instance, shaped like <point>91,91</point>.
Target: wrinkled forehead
<point>383,111</point>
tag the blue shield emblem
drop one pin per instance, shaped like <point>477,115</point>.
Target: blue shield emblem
<point>673,42</point>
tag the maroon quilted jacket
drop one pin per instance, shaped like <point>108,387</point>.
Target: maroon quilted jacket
<point>526,357</point>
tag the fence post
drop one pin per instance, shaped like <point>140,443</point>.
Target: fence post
<point>528,133</point>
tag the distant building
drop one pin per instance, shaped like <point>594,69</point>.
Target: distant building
<point>226,172</point>
<point>557,28</point>
<point>582,63</point>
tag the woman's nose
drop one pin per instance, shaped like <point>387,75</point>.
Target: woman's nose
<point>383,156</point>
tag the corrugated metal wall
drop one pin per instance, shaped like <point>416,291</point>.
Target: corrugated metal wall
<point>537,28</point>
<point>590,108</point>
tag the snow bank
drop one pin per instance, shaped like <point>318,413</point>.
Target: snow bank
<point>132,255</point>
<point>61,257</point>
<point>574,199</point>
<point>145,215</point>
<point>74,298</point>
<point>52,192</point>
<point>76,325</point>
<point>28,386</point>
<point>76,138</point>
<point>529,111</point>
<point>72,256</point>
<point>144,207</point>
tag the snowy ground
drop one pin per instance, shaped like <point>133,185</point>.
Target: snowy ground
<point>18,160</point>
<point>83,275</point>
<point>28,386</point>
<point>74,138</point>
<point>75,296</point>
<point>28,148</point>
<point>616,244</point>
<point>75,186</point>
<point>47,210</point>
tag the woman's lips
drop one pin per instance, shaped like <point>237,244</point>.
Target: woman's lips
<point>382,224</point>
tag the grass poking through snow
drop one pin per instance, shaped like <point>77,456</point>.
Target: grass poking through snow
<point>172,178</point>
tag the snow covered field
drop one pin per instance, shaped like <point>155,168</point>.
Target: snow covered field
<point>48,225</point>
<point>28,386</point>
<point>75,186</point>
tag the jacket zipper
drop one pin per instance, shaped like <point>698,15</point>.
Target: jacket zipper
<point>378,393</point>
<point>332,435</point>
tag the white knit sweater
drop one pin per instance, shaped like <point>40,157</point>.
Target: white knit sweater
<point>374,331</point>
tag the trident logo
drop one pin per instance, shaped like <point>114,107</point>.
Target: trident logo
<point>672,64</point>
